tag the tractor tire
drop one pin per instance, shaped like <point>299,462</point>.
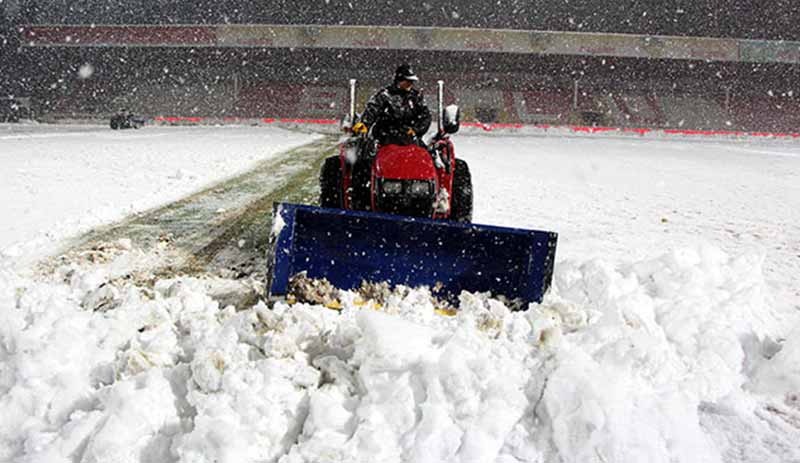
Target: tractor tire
<point>114,124</point>
<point>330,183</point>
<point>361,193</point>
<point>461,203</point>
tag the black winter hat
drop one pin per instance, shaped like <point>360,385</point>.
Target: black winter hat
<point>404,72</point>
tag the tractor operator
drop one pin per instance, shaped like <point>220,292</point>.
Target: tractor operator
<point>397,114</point>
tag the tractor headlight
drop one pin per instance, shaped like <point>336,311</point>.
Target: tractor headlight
<point>420,188</point>
<point>392,187</point>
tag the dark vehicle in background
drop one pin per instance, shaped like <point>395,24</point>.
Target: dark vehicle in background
<point>126,120</point>
<point>14,109</point>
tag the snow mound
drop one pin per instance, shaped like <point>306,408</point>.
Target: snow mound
<point>617,364</point>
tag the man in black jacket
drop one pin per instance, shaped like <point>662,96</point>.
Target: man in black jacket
<point>397,114</point>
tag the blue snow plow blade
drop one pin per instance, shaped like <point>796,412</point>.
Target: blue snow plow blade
<point>348,247</point>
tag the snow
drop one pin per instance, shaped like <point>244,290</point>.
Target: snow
<point>629,199</point>
<point>661,340</point>
<point>65,180</point>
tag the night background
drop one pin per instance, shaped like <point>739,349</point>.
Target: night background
<point>200,81</point>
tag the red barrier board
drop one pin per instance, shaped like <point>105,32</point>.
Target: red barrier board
<point>498,126</point>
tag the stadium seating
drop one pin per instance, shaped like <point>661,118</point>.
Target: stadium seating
<point>696,112</point>
<point>540,106</point>
<point>766,113</point>
<point>277,99</point>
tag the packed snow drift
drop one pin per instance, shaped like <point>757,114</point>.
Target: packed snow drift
<point>670,334</point>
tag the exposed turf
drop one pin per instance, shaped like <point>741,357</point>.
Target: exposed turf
<point>223,229</point>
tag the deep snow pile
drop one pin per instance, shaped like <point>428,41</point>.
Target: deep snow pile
<point>687,356</point>
<point>620,363</point>
<point>66,179</point>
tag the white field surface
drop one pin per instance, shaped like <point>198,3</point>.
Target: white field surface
<point>58,181</point>
<point>671,333</point>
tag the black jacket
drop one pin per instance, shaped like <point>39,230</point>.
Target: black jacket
<point>393,111</point>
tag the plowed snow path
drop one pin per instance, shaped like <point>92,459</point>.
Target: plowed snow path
<point>59,181</point>
<point>223,229</point>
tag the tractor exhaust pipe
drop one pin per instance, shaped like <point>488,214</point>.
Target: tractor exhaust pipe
<point>440,103</point>
<point>352,101</point>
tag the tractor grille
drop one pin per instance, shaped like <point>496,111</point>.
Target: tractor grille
<point>400,199</point>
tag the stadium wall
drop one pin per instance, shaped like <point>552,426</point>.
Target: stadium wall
<point>415,39</point>
<point>234,82</point>
<point>751,19</point>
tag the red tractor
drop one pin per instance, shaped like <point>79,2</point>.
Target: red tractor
<point>412,180</point>
<point>363,231</point>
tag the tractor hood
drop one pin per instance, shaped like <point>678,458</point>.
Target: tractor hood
<point>404,162</point>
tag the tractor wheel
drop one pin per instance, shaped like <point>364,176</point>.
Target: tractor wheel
<point>461,204</point>
<point>114,124</point>
<point>361,195</point>
<point>330,183</point>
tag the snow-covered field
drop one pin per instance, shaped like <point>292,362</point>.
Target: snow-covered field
<point>61,180</point>
<point>671,333</point>
<point>626,199</point>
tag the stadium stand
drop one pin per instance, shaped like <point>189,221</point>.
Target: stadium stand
<point>712,18</point>
<point>767,113</point>
<point>697,112</point>
<point>265,82</point>
<point>544,105</point>
<point>291,100</point>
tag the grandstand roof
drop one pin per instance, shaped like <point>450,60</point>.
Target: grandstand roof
<point>413,38</point>
<point>747,19</point>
